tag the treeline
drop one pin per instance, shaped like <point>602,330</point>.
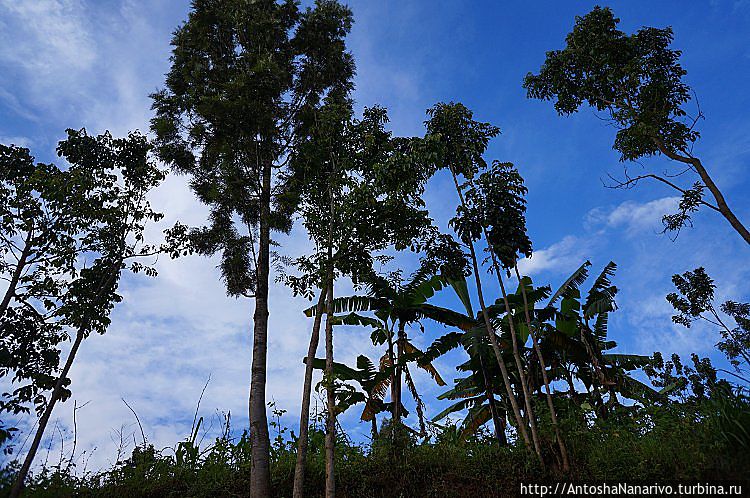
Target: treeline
<point>257,110</point>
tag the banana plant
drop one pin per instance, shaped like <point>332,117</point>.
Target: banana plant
<point>396,306</point>
<point>477,391</point>
<point>575,339</point>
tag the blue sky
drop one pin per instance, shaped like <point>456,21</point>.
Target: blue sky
<point>76,63</point>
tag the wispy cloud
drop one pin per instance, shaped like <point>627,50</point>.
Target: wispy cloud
<point>633,217</point>
<point>565,255</point>
<point>57,50</point>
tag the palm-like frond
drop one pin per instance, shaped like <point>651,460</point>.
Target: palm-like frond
<point>418,292</point>
<point>442,345</point>
<point>462,291</point>
<point>601,297</point>
<point>573,282</point>
<point>343,372</point>
<point>357,320</point>
<point>626,361</point>
<point>601,325</point>
<point>350,304</point>
<point>422,363</point>
<point>477,417</point>
<point>461,393</point>
<point>446,316</point>
<point>458,406</point>
<point>637,390</point>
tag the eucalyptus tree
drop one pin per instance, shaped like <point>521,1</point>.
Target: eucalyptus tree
<point>105,190</point>
<point>241,74</point>
<point>459,144</point>
<point>637,80</point>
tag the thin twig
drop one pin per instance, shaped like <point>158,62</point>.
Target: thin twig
<point>143,434</point>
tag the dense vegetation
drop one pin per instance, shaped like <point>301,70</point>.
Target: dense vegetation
<point>257,112</point>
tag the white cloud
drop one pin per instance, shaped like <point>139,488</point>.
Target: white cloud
<point>58,49</point>
<point>634,217</point>
<point>563,256</point>
<point>17,141</point>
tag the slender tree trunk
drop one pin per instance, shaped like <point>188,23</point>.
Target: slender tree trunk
<point>491,332</point>
<point>545,378</point>
<point>394,391</point>
<point>15,491</point>
<point>499,428</point>
<point>399,371</point>
<point>11,291</point>
<point>498,353</point>
<point>330,443</point>
<point>721,202</point>
<point>44,420</point>
<point>304,419</point>
<point>517,355</point>
<point>260,471</point>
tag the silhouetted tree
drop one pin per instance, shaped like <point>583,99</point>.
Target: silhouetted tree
<point>637,80</point>
<point>241,74</point>
<point>106,187</point>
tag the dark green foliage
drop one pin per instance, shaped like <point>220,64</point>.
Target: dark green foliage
<point>636,78</point>
<point>691,200</point>
<point>242,77</point>
<point>695,301</point>
<point>64,232</point>
<point>696,296</point>
<point>458,141</point>
<point>688,384</point>
<point>495,203</point>
<point>361,188</point>
<point>675,442</point>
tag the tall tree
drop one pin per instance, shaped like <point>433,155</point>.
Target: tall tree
<point>39,244</point>
<point>460,143</point>
<point>494,204</point>
<point>106,185</point>
<point>498,199</point>
<point>360,194</point>
<point>241,74</point>
<point>637,80</point>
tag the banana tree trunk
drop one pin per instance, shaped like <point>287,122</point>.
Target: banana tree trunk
<point>394,392</point>
<point>496,424</point>
<point>399,372</point>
